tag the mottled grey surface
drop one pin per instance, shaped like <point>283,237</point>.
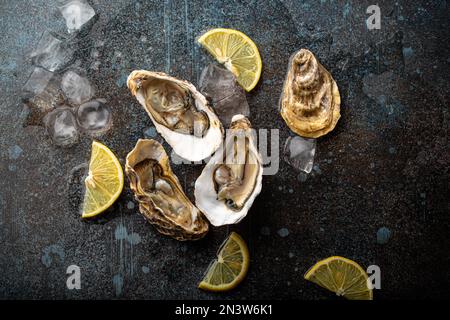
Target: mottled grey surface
<point>385,165</point>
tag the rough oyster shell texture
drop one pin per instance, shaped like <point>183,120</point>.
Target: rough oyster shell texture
<point>232,178</point>
<point>310,103</point>
<point>161,199</point>
<point>180,113</point>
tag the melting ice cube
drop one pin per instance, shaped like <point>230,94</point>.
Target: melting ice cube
<point>299,153</point>
<point>61,126</point>
<point>38,81</point>
<point>51,53</point>
<point>227,95</point>
<point>76,88</point>
<point>76,13</point>
<point>94,116</point>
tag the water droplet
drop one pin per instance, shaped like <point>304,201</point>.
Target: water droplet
<point>302,177</point>
<point>14,152</point>
<point>121,232</point>
<point>383,235</point>
<point>150,132</point>
<point>134,239</point>
<point>55,250</point>
<point>408,52</point>
<point>118,284</point>
<point>283,232</point>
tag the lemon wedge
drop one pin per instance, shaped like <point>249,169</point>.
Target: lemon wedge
<point>230,267</point>
<point>237,52</point>
<point>342,276</point>
<point>104,182</point>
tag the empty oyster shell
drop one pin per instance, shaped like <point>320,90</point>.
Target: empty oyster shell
<point>180,113</point>
<point>160,196</point>
<point>310,103</point>
<point>232,178</point>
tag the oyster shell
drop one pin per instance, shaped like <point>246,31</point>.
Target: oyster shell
<point>180,113</point>
<point>160,196</point>
<point>310,103</point>
<point>232,178</point>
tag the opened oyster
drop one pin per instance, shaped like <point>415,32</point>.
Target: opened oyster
<point>158,191</point>
<point>232,178</point>
<point>179,112</point>
<point>310,103</point>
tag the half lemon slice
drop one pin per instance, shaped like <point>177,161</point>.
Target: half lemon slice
<point>104,182</point>
<point>342,276</point>
<point>230,267</point>
<point>237,52</point>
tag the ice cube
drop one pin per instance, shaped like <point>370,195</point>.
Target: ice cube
<point>47,100</point>
<point>51,53</point>
<point>38,81</point>
<point>61,126</point>
<point>94,116</point>
<point>76,88</point>
<point>230,106</point>
<point>76,13</point>
<point>227,96</point>
<point>217,82</point>
<point>299,153</point>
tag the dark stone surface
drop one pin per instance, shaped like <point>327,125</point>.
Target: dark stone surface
<point>385,165</point>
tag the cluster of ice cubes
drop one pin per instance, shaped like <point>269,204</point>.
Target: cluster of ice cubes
<point>86,115</point>
<point>65,124</point>
<point>227,96</point>
<point>64,100</point>
<point>68,103</point>
<point>299,153</point>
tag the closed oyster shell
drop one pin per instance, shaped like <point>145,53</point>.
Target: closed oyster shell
<point>180,113</point>
<point>161,199</point>
<point>231,180</point>
<point>310,103</point>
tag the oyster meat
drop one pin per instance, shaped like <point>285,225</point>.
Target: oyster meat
<point>159,193</point>
<point>310,102</point>
<point>232,178</point>
<point>180,113</point>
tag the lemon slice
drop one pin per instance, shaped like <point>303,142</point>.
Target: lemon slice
<point>341,276</point>
<point>104,182</point>
<point>230,267</point>
<point>237,52</point>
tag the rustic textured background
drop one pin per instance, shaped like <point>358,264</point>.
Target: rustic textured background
<point>385,165</point>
